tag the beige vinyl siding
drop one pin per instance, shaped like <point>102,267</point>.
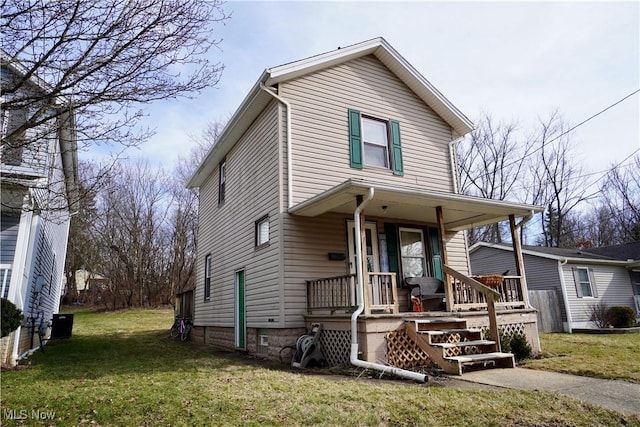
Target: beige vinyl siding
<point>457,252</point>
<point>613,284</point>
<point>320,102</point>
<point>308,241</point>
<point>227,231</point>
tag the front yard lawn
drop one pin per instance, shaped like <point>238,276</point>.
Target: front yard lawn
<point>611,356</point>
<point>121,369</point>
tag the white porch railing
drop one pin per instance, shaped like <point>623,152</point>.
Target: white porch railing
<point>332,294</point>
<point>466,297</point>
<point>337,294</point>
<point>380,293</point>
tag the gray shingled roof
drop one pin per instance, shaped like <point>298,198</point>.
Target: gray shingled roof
<point>568,253</point>
<point>622,252</point>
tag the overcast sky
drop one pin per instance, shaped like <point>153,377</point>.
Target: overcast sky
<point>513,60</point>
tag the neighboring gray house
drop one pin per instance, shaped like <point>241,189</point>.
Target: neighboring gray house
<point>38,175</point>
<point>580,278</point>
<point>316,145</point>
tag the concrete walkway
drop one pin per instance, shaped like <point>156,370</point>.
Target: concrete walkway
<point>621,396</point>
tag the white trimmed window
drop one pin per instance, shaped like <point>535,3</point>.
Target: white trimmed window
<point>413,254</point>
<point>262,231</point>
<point>585,284</point>
<point>222,182</point>
<point>207,278</point>
<point>375,142</point>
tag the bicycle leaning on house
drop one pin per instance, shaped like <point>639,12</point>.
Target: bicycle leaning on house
<point>181,327</point>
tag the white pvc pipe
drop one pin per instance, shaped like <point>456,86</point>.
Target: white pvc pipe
<point>288,119</point>
<point>359,298</point>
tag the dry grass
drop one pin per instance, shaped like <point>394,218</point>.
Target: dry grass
<point>120,369</point>
<point>611,356</point>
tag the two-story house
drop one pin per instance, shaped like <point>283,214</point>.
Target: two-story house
<point>38,175</point>
<point>330,197</point>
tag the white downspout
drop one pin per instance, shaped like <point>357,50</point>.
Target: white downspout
<point>359,298</point>
<point>289,168</point>
<point>565,296</point>
<point>454,166</point>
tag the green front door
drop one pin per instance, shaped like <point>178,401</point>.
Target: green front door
<point>240,315</point>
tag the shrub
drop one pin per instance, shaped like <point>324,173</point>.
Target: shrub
<point>621,316</point>
<point>11,317</point>
<point>520,347</point>
<point>599,314</point>
<point>516,344</point>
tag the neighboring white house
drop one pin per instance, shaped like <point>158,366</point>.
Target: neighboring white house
<point>580,278</point>
<point>38,194</point>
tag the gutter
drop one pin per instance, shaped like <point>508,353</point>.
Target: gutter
<point>565,296</point>
<point>526,219</point>
<point>289,168</point>
<point>359,297</point>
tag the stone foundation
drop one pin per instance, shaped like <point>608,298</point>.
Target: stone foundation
<point>266,343</point>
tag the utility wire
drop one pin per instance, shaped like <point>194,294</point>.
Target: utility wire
<point>607,172</point>
<point>567,131</point>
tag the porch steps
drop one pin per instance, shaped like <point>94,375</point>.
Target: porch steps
<point>453,346</point>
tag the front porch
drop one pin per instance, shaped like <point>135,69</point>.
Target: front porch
<point>385,327</point>
<point>409,296</point>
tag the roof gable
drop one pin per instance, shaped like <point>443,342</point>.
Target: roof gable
<point>393,61</point>
<point>257,99</point>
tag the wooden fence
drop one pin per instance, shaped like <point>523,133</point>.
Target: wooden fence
<point>549,314</point>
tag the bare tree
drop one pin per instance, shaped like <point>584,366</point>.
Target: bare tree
<point>621,198</point>
<point>140,230</point>
<point>101,62</point>
<point>490,165</point>
<point>184,222</point>
<point>555,182</point>
<point>130,234</point>
<point>81,254</point>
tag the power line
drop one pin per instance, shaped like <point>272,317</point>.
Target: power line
<point>567,131</point>
<point>612,168</point>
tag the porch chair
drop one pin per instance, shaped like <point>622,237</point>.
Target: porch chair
<point>427,293</point>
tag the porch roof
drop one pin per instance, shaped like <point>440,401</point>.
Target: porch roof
<point>403,203</point>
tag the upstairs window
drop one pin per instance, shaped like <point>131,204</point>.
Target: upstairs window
<point>262,231</point>
<point>12,147</point>
<point>222,181</point>
<point>375,143</point>
<point>207,278</point>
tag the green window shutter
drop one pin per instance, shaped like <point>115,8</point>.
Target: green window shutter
<point>436,253</point>
<point>391,231</point>
<point>355,139</point>
<point>396,148</point>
